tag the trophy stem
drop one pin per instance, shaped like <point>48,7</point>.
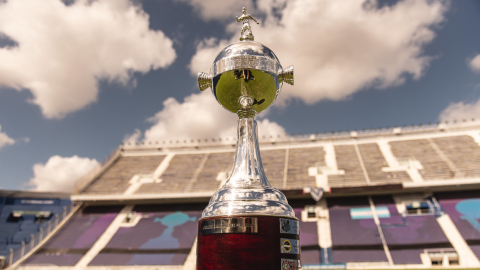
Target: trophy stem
<point>247,190</point>
<point>247,169</point>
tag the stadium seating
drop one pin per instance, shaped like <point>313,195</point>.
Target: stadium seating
<point>68,246</point>
<point>274,167</point>
<point>308,234</point>
<point>434,168</point>
<point>374,162</point>
<point>176,178</point>
<point>163,236</point>
<point>353,240</point>
<point>389,201</point>
<point>299,160</point>
<point>116,178</point>
<point>463,152</point>
<point>348,161</point>
<point>215,164</point>
<point>408,235</point>
<point>464,210</point>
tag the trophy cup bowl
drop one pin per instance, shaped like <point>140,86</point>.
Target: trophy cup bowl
<point>246,75</point>
<point>248,224</point>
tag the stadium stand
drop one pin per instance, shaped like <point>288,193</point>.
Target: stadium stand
<point>374,162</point>
<point>392,198</point>
<point>299,160</point>
<point>25,219</point>
<point>179,174</point>
<point>354,238</point>
<point>116,179</point>
<point>308,233</point>
<point>464,210</point>
<point>423,150</point>
<point>463,152</point>
<point>163,236</point>
<point>348,160</point>
<point>68,246</point>
<point>407,235</point>
<point>274,166</point>
<point>217,164</point>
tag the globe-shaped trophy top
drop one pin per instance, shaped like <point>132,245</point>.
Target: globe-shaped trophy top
<point>246,75</point>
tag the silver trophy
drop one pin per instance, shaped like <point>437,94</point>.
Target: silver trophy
<point>246,78</point>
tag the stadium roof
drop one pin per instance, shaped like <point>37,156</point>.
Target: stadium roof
<point>33,194</point>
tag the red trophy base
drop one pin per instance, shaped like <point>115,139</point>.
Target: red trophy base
<point>248,242</point>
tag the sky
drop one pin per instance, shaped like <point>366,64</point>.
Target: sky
<point>77,78</point>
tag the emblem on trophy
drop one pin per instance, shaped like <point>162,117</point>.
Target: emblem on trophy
<point>285,225</point>
<point>246,219</point>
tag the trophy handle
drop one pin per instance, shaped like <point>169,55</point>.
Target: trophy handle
<point>286,75</point>
<point>204,81</point>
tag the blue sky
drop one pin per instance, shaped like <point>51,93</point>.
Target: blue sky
<point>77,79</point>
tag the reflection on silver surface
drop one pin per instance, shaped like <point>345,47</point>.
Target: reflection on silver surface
<point>246,55</point>
<point>248,191</point>
<point>246,78</point>
<point>204,81</point>
<point>286,75</point>
<point>229,225</point>
<point>246,68</point>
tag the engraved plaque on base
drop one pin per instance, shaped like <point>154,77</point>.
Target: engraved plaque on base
<point>229,225</point>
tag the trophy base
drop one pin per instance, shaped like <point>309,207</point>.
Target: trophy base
<point>248,242</point>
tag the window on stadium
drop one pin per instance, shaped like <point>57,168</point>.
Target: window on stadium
<point>418,208</point>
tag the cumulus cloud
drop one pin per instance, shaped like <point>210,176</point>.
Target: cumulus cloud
<point>62,51</point>
<point>218,9</point>
<point>474,63</point>
<point>340,47</point>
<point>199,116</point>
<point>60,173</point>
<point>134,137</point>
<point>460,111</point>
<point>4,139</point>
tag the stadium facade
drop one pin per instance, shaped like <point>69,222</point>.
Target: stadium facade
<point>392,198</point>
<point>26,219</point>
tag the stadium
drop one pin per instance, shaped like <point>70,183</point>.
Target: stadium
<point>393,198</point>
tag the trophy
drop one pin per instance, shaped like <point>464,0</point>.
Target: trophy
<point>247,224</point>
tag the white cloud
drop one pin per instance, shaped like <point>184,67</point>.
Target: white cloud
<point>198,117</point>
<point>134,137</point>
<point>4,139</point>
<point>219,9</point>
<point>63,50</point>
<point>460,111</point>
<point>60,173</point>
<point>207,50</point>
<point>474,63</point>
<point>340,47</point>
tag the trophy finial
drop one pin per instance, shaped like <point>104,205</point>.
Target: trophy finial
<point>246,29</point>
